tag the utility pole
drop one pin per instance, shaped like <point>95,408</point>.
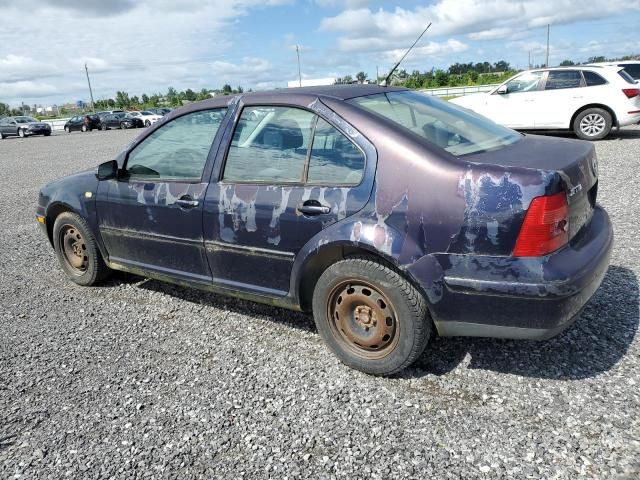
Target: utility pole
<point>529,59</point>
<point>377,76</point>
<point>93,109</point>
<point>547,62</point>
<point>299,71</point>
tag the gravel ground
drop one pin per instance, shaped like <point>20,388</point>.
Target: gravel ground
<point>140,379</point>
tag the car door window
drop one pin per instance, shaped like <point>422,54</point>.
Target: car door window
<point>563,79</point>
<point>334,159</point>
<point>525,82</point>
<point>270,144</point>
<point>592,79</point>
<point>178,150</point>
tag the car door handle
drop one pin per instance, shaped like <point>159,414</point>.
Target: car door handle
<point>186,202</point>
<point>313,207</point>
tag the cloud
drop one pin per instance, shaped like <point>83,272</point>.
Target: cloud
<point>475,18</point>
<point>350,4</point>
<point>28,89</point>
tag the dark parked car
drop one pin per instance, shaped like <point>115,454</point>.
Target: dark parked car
<point>83,123</point>
<point>23,127</point>
<point>386,212</point>
<point>160,110</point>
<point>120,120</point>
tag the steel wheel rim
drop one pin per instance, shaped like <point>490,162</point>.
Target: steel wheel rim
<point>363,319</point>
<point>74,249</point>
<point>592,124</point>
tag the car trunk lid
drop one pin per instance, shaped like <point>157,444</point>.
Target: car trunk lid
<point>573,161</point>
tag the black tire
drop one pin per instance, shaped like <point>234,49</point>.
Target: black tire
<point>84,128</point>
<point>104,127</point>
<point>407,322</point>
<point>70,227</point>
<point>2,136</point>
<point>123,126</point>
<point>21,133</point>
<point>147,123</point>
<point>47,134</point>
<point>592,124</point>
<point>67,129</point>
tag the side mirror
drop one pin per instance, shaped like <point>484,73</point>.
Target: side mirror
<point>502,89</point>
<point>107,170</point>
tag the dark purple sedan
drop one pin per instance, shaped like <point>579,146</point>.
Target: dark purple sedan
<point>389,214</point>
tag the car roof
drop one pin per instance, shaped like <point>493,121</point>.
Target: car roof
<point>340,92</point>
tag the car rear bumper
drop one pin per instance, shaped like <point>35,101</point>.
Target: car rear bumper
<point>524,298</point>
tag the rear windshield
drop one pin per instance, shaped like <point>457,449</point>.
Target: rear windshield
<point>457,130</point>
<point>633,69</point>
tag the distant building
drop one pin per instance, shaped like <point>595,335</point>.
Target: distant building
<point>311,82</point>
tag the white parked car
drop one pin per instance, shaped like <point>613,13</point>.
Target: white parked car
<point>590,100</point>
<point>147,117</point>
<point>632,67</point>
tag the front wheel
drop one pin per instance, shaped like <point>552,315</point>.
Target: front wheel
<point>77,250</point>
<point>592,124</point>
<point>370,316</point>
<point>147,123</point>
<point>123,126</point>
<point>84,128</point>
<point>67,129</point>
<point>22,133</point>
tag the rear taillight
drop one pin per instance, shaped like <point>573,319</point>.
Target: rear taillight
<point>545,227</point>
<point>631,92</point>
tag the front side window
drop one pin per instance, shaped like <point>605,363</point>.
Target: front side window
<point>179,149</point>
<point>525,82</point>
<point>563,79</point>
<point>455,129</point>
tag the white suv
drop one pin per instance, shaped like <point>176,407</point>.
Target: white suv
<point>590,100</point>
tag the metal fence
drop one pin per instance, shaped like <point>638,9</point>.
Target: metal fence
<point>57,124</point>
<point>459,91</point>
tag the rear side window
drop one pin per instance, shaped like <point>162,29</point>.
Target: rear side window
<point>563,79</point>
<point>179,149</point>
<point>628,78</point>
<point>281,145</point>
<point>334,159</point>
<point>269,144</point>
<point>592,79</point>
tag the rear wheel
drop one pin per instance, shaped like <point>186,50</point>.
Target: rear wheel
<point>592,124</point>
<point>77,251</point>
<point>84,128</point>
<point>371,317</point>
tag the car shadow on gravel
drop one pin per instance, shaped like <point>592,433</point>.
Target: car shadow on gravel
<point>278,315</point>
<point>593,345</point>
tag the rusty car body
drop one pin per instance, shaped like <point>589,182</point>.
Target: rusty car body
<point>445,223</point>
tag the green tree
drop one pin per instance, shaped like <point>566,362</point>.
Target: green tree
<point>566,63</point>
<point>226,89</point>
<point>173,97</point>
<point>145,98</point>
<point>203,94</point>
<point>190,95</point>
<point>361,77</point>
<point>122,99</point>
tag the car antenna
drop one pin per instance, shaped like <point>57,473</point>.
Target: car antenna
<point>386,80</point>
